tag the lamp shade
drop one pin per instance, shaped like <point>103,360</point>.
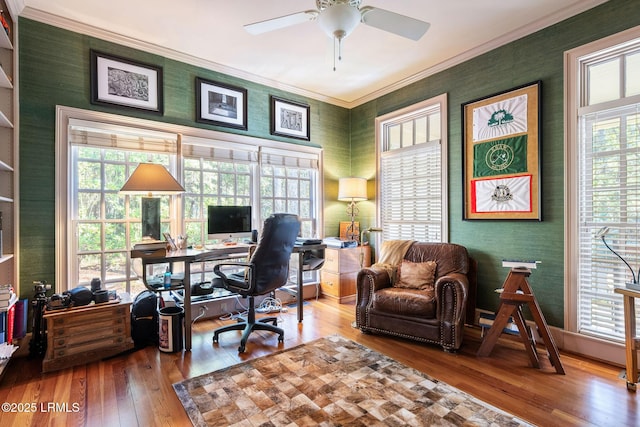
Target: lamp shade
<point>352,189</point>
<point>150,178</point>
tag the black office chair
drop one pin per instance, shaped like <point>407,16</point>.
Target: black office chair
<point>267,270</point>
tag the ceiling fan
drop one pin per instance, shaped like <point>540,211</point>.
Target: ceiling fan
<point>338,18</point>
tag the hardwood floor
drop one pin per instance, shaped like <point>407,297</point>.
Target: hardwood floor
<point>136,388</point>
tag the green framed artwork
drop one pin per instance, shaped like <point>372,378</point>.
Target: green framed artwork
<point>501,155</point>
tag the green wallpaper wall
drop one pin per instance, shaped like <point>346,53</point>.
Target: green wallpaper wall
<point>536,57</point>
<point>54,70</point>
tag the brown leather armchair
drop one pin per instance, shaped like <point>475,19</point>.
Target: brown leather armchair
<point>434,315</point>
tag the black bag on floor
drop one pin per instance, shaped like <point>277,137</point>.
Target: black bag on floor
<point>144,319</point>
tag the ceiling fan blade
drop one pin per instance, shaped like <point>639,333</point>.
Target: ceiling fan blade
<point>281,22</point>
<point>395,23</point>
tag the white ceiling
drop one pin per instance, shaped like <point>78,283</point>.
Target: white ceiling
<point>300,58</point>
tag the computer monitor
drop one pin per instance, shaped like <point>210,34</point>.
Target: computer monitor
<point>228,222</point>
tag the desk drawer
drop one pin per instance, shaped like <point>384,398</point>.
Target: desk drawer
<point>338,285</point>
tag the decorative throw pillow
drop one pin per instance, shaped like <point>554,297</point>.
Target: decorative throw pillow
<point>416,275</point>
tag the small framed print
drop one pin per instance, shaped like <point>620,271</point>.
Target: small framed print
<point>170,241</point>
<point>119,81</point>
<point>290,119</point>
<point>220,104</point>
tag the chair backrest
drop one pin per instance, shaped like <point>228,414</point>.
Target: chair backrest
<point>271,257</point>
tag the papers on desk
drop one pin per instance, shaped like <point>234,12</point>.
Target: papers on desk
<point>304,241</point>
<point>336,242</point>
<point>151,245</point>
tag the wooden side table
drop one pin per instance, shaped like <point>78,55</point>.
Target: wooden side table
<point>632,344</point>
<point>516,292</point>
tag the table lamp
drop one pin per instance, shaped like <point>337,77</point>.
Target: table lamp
<point>151,179</point>
<point>353,190</point>
<point>630,285</point>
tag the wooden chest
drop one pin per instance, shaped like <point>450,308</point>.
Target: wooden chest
<point>340,271</point>
<point>86,334</point>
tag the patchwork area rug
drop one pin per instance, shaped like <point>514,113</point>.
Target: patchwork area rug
<point>330,382</point>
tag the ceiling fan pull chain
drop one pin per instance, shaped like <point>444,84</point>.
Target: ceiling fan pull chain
<point>334,54</point>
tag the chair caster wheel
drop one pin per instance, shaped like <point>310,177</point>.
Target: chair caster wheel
<point>241,349</point>
<point>280,339</point>
<point>215,339</point>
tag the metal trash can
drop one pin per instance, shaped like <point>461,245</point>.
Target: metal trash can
<point>170,329</point>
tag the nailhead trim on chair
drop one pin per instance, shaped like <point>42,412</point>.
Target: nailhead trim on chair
<point>370,329</point>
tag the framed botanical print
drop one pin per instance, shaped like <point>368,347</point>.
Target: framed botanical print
<point>501,155</point>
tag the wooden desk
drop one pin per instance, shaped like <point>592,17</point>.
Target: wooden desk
<point>632,343</point>
<point>212,253</point>
<point>516,292</point>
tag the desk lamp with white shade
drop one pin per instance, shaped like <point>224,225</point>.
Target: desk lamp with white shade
<point>151,180</point>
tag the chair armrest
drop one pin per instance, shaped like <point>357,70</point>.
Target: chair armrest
<point>369,280</point>
<point>451,293</point>
<point>244,285</point>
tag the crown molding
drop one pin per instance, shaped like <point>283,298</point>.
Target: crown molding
<point>521,32</point>
<point>81,28</point>
<point>78,27</point>
<point>15,7</point>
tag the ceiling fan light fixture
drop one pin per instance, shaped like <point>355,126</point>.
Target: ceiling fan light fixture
<point>339,20</point>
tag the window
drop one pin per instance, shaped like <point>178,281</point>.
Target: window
<point>99,225</point>
<point>605,189</point>
<point>412,160</point>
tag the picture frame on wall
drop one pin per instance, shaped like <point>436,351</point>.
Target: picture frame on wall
<point>221,104</point>
<point>290,119</point>
<point>125,83</point>
<point>501,155</point>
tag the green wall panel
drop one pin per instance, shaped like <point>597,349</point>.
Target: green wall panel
<point>54,70</point>
<point>538,56</point>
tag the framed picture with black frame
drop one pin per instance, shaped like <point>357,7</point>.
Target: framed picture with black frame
<point>501,155</point>
<point>221,104</point>
<point>125,83</point>
<point>290,119</point>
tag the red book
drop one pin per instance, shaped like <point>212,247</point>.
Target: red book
<point>11,314</point>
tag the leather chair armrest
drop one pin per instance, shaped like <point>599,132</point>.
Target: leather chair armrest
<point>245,285</point>
<point>451,293</point>
<point>369,280</point>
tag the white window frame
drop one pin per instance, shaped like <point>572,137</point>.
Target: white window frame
<point>572,339</point>
<point>407,113</point>
<point>64,268</point>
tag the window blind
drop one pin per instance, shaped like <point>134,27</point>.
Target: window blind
<point>411,192</point>
<point>210,149</point>
<point>105,135</point>
<point>609,186</point>
<point>279,157</point>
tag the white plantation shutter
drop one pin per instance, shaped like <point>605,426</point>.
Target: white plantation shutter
<point>413,172</point>
<point>609,196</point>
<point>607,149</point>
<point>411,202</point>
